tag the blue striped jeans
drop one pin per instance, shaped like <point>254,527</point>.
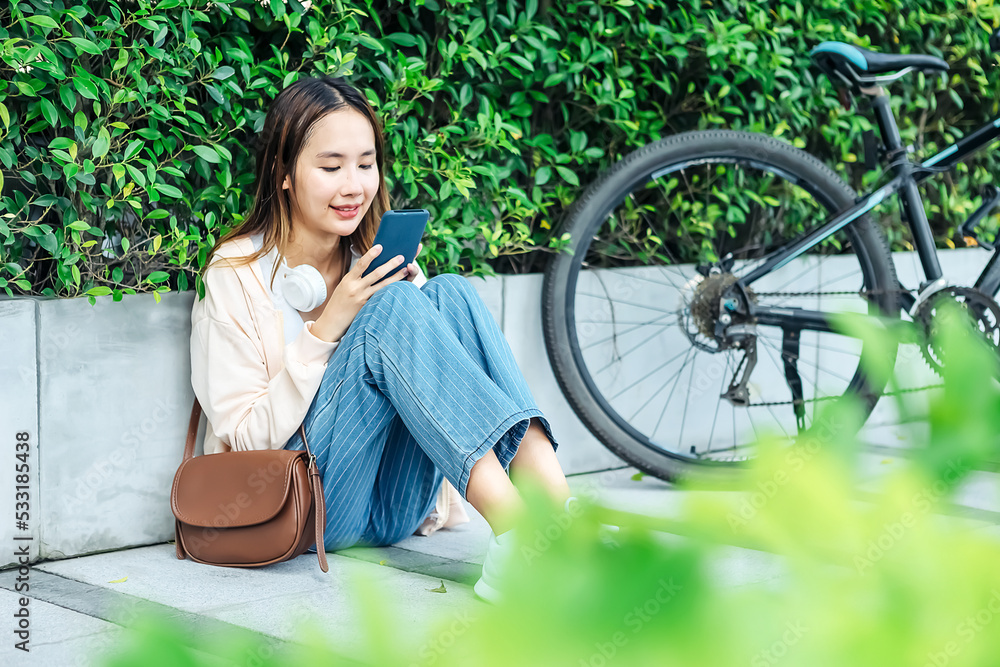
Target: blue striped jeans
<point>422,385</point>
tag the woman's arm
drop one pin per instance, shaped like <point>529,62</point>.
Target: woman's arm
<point>244,407</point>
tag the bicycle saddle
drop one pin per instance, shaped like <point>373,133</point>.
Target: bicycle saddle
<point>839,56</point>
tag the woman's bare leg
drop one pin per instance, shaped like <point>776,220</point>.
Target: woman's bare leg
<point>493,493</point>
<point>536,459</point>
<point>490,491</point>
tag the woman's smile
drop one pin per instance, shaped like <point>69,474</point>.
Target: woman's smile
<point>346,212</point>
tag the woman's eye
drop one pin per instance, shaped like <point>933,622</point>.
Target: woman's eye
<point>328,169</point>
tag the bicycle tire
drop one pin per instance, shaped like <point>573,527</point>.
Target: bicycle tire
<point>610,189</point>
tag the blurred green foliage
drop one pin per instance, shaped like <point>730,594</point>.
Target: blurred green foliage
<point>126,127</point>
<point>884,578</point>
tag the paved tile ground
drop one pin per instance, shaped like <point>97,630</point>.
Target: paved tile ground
<point>78,614</point>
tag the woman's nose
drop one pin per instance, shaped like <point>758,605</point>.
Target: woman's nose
<point>352,181</point>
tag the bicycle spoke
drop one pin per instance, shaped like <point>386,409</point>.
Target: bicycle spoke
<point>664,325</point>
<point>663,365</point>
<point>622,356</point>
<point>676,375</point>
<point>718,403</point>
<point>627,303</point>
<point>687,399</point>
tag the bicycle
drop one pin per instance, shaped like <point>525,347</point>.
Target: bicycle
<point>724,332</point>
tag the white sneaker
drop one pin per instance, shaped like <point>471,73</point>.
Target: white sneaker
<point>499,551</point>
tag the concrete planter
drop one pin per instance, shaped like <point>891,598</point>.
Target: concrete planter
<point>104,394</point>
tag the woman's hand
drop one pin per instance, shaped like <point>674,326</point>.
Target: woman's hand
<point>412,269</point>
<point>352,293</point>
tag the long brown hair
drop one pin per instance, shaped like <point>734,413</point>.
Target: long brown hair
<point>287,128</point>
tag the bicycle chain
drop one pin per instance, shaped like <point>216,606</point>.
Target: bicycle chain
<point>831,398</point>
<point>844,293</point>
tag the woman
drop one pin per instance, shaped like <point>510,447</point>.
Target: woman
<point>402,388</point>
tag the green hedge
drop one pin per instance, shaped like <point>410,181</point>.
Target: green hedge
<point>126,128</point>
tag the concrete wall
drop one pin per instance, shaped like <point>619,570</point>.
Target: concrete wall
<point>105,393</point>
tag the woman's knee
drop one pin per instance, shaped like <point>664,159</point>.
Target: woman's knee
<point>451,281</point>
<point>400,292</point>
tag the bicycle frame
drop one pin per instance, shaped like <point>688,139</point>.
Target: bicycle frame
<point>907,176</point>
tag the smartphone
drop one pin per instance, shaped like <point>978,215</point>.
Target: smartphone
<point>399,233</point>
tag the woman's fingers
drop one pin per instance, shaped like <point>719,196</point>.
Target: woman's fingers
<point>385,269</point>
<point>365,260</point>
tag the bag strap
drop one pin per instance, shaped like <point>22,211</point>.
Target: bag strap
<point>319,500</point>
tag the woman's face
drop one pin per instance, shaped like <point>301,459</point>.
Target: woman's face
<point>335,170</point>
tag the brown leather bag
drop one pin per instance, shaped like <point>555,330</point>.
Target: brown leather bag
<point>247,508</point>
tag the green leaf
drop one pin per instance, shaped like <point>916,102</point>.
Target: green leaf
<point>475,30</point>
<point>208,154</point>
<point>25,89</point>
<point>524,110</point>
<point>215,94</point>
<point>402,38</point>
<point>79,225</point>
<point>49,111</point>
<point>522,61</point>
<point>169,191</point>
<point>543,175</point>
<point>223,73</point>
<point>136,175</point>
<point>158,276</point>
<point>86,88</point>
<point>133,149</point>
<point>371,43</point>
<point>102,143</point>
<point>223,152</point>
<point>553,79</point>
<point>87,46</point>
<point>100,290</point>
<point>42,20</point>
<point>48,241</point>
<point>568,175</point>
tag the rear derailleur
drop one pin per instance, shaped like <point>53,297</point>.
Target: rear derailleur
<point>723,308</point>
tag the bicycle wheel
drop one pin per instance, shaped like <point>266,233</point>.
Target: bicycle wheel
<point>634,344</point>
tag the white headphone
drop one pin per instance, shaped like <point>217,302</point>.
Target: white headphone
<point>304,287</point>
